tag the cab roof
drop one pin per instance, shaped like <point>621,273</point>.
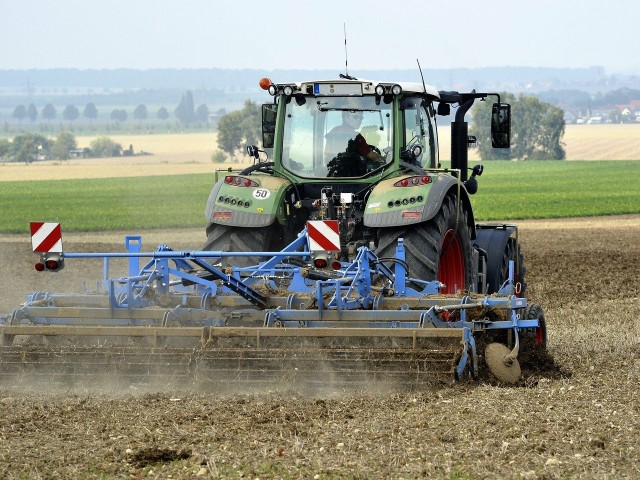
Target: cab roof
<point>368,86</point>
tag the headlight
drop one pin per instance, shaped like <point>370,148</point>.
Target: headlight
<point>288,90</point>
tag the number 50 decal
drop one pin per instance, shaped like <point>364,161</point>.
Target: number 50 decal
<point>261,193</point>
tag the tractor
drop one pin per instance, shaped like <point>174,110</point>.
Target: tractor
<point>365,153</point>
<point>346,247</point>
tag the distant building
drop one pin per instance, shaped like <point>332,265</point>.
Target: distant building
<point>79,153</point>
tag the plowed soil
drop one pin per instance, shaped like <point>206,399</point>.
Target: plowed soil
<point>578,418</point>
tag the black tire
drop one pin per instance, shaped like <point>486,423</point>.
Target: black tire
<point>439,249</point>
<point>533,353</point>
<point>534,338</point>
<point>241,239</point>
<point>513,252</point>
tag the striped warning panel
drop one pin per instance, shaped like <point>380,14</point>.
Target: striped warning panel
<point>323,235</point>
<point>46,237</point>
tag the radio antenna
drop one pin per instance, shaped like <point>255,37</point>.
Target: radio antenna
<point>346,57</point>
<point>421,76</point>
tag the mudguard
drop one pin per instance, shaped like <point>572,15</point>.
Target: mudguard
<point>235,204</point>
<point>390,205</point>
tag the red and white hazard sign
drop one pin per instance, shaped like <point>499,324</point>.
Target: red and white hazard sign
<point>46,237</point>
<point>323,235</point>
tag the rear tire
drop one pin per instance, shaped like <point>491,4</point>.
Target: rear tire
<point>439,249</point>
<point>242,239</point>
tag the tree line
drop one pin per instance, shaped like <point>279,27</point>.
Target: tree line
<point>185,112</point>
<point>30,147</point>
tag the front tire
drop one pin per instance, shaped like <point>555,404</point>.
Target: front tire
<point>438,249</point>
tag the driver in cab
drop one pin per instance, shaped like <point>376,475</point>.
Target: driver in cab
<point>345,136</point>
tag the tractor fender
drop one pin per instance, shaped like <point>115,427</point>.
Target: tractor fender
<point>246,206</point>
<point>423,202</point>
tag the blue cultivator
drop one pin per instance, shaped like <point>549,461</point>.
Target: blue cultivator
<point>182,318</point>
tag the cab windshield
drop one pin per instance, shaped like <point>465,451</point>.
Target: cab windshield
<point>336,136</point>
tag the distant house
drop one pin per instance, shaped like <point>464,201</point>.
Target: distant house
<point>79,153</point>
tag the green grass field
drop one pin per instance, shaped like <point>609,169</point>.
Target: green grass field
<point>507,191</point>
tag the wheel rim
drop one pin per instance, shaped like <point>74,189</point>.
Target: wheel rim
<point>451,266</point>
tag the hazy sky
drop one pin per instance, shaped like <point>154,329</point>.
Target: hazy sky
<point>302,34</point>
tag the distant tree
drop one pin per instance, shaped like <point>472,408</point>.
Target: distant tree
<point>185,110</point>
<point>49,112</point>
<point>162,114</point>
<point>70,113</point>
<point>218,156</point>
<point>64,143</point>
<point>119,115</point>
<point>27,147</point>
<point>536,130</point>
<point>239,127</point>
<point>202,113</point>
<point>5,148</point>
<point>20,113</point>
<point>615,116</point>
<point>32,112</point>
<point>90,111</point>
<point>140,113</point>
<point>105,147</point>
<point>621,96</point>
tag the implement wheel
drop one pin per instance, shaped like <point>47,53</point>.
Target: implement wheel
<point>533,341</point>
<point>241,239</point>
<point>439,249</point>
<point>512,252</point>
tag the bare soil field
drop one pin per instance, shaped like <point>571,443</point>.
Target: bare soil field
<point>580,419</point>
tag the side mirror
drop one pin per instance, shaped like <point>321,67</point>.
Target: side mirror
<point>269,111</point>
<point>501,125</point>
<point>444,109</point>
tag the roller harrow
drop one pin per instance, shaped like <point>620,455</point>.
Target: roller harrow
<point>183,319</point>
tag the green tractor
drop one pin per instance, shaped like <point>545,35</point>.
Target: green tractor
<point>365,153</point>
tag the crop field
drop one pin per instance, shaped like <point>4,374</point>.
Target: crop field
<point>508,190</point>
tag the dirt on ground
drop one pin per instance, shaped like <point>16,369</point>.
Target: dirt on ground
<point>579,418</point>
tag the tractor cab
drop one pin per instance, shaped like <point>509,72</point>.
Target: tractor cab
<point>349,129</point>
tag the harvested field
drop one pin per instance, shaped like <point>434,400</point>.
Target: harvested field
<point>173,154</point>
<point>581,421</point>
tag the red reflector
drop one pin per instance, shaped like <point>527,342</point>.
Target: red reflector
<point>336,265</point>
<point>404,182</point>
<point>320,263</point>
<point>228,179</point>
<point>51,264</point>
<point>40,267</point>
